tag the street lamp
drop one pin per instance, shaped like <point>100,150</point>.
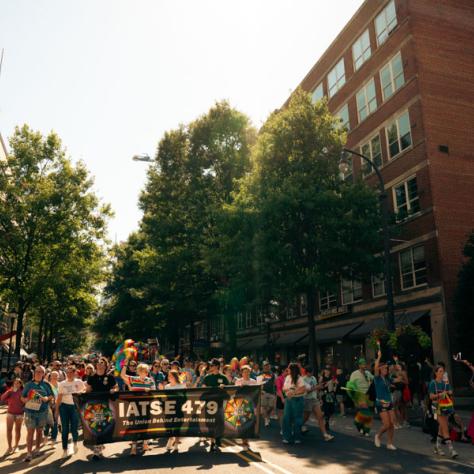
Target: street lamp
<point>344,167</point>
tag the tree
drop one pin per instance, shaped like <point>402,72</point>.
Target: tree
<point>48,211</point>
<point>312,227</point>
<point>464,301</point>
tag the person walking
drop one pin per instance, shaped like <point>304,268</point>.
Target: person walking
<point>267,378</point>
<point>294,389</point>
<point>66,409</point>
<point>243,381</point>
<point>15,411</point>
<point>174,383</point>
<point>36,396</point>
<point>383,402</point>
<point>440,394</point>
<point>52,425</point>
<point>357,388</point>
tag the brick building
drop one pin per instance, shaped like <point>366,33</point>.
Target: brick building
<point>399,75</point>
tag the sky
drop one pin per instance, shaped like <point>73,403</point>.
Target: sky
<point>111,76</point>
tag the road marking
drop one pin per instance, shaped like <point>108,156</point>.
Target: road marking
<point>258,457</point>
<point>246,459</point>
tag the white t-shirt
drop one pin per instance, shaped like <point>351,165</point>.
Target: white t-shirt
<point>66,389</point>
<point>290,386</point>
<point>177,386</point>
<point>242,382</point>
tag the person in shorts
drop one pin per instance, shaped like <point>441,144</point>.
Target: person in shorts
<point>36,396</point>
<point>16,409</point>
<point>267,378</point>
<point>383,403</point>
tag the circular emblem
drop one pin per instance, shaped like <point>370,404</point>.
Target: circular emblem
<point>98,417</point>
<point>238,412</point>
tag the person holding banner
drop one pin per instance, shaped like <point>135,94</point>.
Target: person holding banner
<point>135,383</point>
<point>245,372</point>
<point>174,384</point>
<point>66,409</point>
<point>36,396</point>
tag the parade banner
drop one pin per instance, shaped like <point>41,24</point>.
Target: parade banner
<point>230,412</point>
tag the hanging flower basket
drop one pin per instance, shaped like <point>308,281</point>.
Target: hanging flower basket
<point>392,338</point>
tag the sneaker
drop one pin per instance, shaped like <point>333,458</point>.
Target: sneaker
<point>65,454</point>
<point>213,448</point>
<point>28,458</point>
<point>439,451</point>
<point>267,422</point>
<point>285,441</point>
<point>304,429</point>
<point>391,447</point>
<point>366,435</point>
<point>377,441</point>
<point>36,453</point>
<point>328,437</point>
<point>453,454</point>
<point>70,449</point>
<point>281,432</point>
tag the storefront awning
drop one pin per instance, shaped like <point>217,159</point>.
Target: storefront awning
<point>335,333</point>
<point>291,338</point>
<point>368,326</point>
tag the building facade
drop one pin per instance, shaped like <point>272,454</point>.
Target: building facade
<point>399,76</point>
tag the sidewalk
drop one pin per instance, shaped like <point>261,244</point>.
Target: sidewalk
<point>409,439</point>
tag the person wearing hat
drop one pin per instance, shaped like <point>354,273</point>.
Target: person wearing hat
<point>360,380</point>
<point>215,379</point>
<point>245,379</point>
<point>383,402</point>
<point>267,378</point>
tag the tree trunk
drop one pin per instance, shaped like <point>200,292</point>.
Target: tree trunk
<point>19,326</point>
<point>40,335</point>
<point>311,298</point>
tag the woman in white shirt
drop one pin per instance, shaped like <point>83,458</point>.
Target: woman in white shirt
<point>174,383</point>
<point>243,381</point>
<point>294,390</point>
<point>67,410</point>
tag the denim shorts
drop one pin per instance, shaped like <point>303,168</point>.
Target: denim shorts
<point>36,419</point>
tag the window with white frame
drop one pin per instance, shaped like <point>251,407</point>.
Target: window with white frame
<point>385,22</point>
<point>413,267</point>
<point>336,78</point>
<point>351,291</point>
<point>361,50</point>
<point>399,134</point>
<point>378,285</point>
<point>240,321</point>
<point>366,100</point>
<point>248,319</point>
<point>343,115</point>
<point>406,198</point>
<point>391,76</point>
<point>327,300</point>
<point>317,94</point>
<point>373,151</point>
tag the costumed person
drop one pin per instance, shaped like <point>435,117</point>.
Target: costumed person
<point>357,388</point>
<point>123,355</point>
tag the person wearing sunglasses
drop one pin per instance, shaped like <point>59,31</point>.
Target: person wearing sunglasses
<point>157,375</point>
<point>66,409</point>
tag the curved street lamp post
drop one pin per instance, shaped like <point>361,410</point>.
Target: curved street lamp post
<point>344,166</point>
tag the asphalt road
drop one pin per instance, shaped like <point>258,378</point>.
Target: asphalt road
<point>346,454</point>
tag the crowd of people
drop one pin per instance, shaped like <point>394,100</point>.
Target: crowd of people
<point>40,396</point>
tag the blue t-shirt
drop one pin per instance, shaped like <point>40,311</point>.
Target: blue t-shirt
<point>382,389</point>
<point>437,387</point>
<point>33,391</point>
<point>158,377</point>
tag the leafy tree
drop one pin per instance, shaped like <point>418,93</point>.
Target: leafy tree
<point>312,228</point>
<point>464,301</point>
<point>48,211</point>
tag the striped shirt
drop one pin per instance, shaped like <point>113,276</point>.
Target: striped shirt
<point>135,383</point>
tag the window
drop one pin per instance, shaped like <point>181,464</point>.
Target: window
<point>248,319</point>
<point>372,150</point>
<point>366,100</point>
<point>361,50</point>
<point>336,78</point>
<point>413,267</point>
<point>406,199</point>
<point>343,115</point>
<point>327,300</point>
<point>240,321</point>
<point>391,76</point>
<point>385,22</point>
<point>318,93</point>
<point>378,285</point>
<point>351,291</point>
<point>399,135</point>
